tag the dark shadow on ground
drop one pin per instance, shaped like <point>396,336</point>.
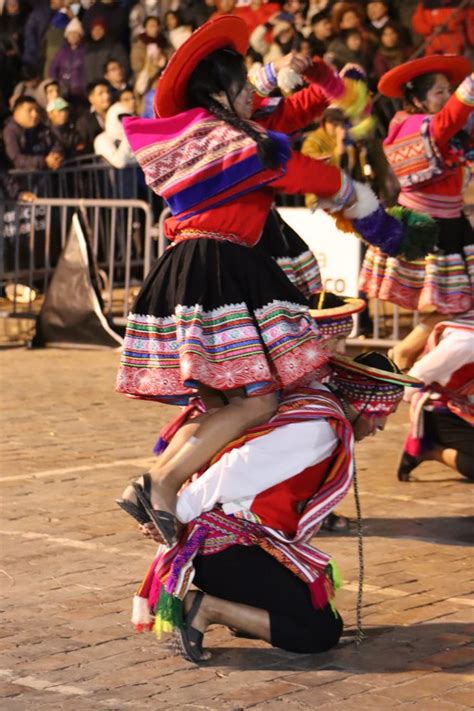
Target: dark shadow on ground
<point>420,647</point>
<point>446,530</point>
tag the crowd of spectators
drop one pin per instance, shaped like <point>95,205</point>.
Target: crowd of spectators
<point>71,70</point>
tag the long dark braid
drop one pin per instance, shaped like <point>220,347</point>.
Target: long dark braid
<point>224,71</point>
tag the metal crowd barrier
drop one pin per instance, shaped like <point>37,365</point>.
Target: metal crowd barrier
<point>86,177</point>
<point>120,238</point>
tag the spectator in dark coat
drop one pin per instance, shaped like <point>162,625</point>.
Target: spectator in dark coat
<point>91,123</point>
<point>391,52</point>
<point>12,22</point>
<point>27,86</point>
<point>35,28</point>
<point>321,33</point>
<point>113,15</point>
<point>100,47</point>
<point>62,129</point>
<point>114,75</point>
<point>54,36</point>
<point>348,48</point>
<point>196,12</point>
<point>29,145</point>
<point>67,66</point>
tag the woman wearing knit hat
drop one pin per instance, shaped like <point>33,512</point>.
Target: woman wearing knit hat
<point>67,66</point>
<point>430,163</point>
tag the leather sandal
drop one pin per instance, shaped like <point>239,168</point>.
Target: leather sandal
<point>165,522</point>
<point>135,510</point>
<point>188,640</point>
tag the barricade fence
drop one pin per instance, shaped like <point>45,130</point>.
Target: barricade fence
<point>119,235</point>
<point>124,221</point>
<point>124,243</point>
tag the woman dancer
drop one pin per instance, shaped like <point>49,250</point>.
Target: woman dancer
<point>429,164</point>
<point>215,317</point>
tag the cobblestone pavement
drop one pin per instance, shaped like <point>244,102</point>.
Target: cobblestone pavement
<point>71,561</point>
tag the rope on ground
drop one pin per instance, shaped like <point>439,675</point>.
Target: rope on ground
<point>360,551</point>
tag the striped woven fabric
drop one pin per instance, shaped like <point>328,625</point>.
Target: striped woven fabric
<point>413,155</point>
<point>433,204</point>
<point>196,161</point>
<point>441,281</point>
<point>172,570</point>
<point>165,358</point>
<point>308,276</point>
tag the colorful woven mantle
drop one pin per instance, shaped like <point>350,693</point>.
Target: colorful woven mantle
<point>197,162</point>
<point>158,602</point>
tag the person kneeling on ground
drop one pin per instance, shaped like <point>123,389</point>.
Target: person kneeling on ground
<point>442,414</point>
<point>248,519</point>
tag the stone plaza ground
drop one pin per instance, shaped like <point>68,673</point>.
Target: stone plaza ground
<point>71,561</point>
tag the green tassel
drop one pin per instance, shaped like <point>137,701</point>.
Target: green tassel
<point>168,613</point>
<point>334,574</point>
<point>420,232</point>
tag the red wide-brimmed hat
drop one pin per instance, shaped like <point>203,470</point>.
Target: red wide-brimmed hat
<point>222,31</point>
<point>454,67</point>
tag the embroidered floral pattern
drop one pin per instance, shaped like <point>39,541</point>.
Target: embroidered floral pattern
<point>225,348</point>
<point>442,281</point>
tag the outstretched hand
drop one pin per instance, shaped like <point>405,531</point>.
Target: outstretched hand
<point>298,62</point>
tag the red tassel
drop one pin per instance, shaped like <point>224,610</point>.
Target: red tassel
<point>321,592</point>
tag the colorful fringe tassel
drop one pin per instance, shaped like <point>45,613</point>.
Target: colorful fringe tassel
<point>324,588</point>
<point>420,232</point>
<point>168,614</point>
<point>396,231</point>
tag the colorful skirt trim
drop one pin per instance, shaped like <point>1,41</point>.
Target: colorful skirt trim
<point>442,282</point>
<point>280,242</point>
<point>303,272</point>
<point>221,315</point>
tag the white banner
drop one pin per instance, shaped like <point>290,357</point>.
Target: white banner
<point>338,253</point>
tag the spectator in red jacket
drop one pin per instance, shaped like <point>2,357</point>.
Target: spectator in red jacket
<point>446,28</point>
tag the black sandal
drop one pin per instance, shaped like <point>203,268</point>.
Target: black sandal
<point>135,510</point>
<point>188,640</point>
<point>165,522</point>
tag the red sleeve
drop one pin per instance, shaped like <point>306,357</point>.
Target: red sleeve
<point>447,122</point>
<point>296,111</point>
<point>309,175</point>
